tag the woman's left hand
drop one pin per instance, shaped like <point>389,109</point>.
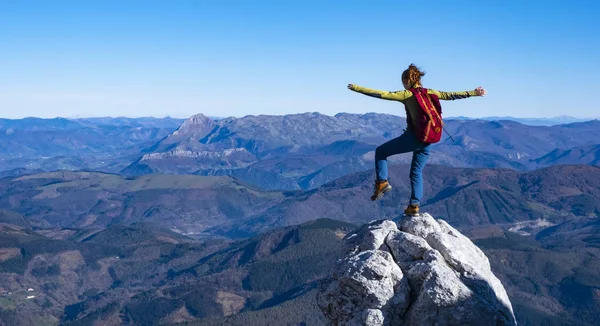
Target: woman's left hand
<point>480,91</point>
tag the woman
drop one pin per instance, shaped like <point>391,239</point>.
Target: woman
<point>407,142</point>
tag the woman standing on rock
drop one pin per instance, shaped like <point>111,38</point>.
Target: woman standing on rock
<point>422,112</point>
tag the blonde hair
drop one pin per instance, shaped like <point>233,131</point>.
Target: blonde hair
<point>412,76</point>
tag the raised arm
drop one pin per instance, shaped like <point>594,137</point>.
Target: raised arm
<point>392,96</point>
<point>451,96</point>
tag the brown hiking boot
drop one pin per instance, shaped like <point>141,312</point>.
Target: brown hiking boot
<point>381,187</point>
<point>412,210</point>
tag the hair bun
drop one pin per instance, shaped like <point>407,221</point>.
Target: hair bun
<point>412,75</point>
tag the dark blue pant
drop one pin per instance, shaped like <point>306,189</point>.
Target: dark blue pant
<point>404,144</point>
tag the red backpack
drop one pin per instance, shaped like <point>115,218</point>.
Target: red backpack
<point>429,122</point>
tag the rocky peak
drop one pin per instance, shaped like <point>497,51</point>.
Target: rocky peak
<point>197,124</point>
<point>420,272</point>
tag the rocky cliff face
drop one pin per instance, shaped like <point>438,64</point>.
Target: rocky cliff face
<point>421,272</point>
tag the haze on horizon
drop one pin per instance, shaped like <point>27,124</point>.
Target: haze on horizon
<point>236,58</point>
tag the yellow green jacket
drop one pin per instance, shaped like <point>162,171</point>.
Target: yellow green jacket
<point>410,103</point>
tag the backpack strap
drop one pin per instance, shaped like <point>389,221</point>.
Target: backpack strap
<point>421,94</point>
<point>438,108</point>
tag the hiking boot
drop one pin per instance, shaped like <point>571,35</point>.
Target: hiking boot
<point>412,210</point>
<point>381,187</point>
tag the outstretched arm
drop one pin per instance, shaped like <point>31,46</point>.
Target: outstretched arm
<point>479,91</point>
<point>392,96</point>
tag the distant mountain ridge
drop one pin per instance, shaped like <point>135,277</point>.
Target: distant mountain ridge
<point>276,152</point>
<point>222,206</point>
<point>577,155</point>
<point>551,121</point>
<point>107,144</point>
<point>30,123</point>
<point>253,148</point>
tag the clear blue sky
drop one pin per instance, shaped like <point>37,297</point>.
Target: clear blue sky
<point>234,58</point>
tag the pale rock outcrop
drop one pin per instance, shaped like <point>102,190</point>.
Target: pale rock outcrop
<point>422,272</point>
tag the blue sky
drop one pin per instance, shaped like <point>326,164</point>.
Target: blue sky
<point>233,58</point>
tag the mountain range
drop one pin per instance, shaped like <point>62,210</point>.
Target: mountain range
<point>288,152</point>
<point>563,119</point>
<point>143,274</point>
<point>304,151</point>
<point>107,144</point>
<point>223,206</point>
<point>234,221</point>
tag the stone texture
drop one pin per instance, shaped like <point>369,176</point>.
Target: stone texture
<point>423,272</point>
<point>368,286</point>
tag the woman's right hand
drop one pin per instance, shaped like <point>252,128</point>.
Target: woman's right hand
<point>480,91</point>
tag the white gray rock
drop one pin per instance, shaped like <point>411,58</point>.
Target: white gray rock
<point>423,273</point>
<point>370,289</point>
<point>370,236</point>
